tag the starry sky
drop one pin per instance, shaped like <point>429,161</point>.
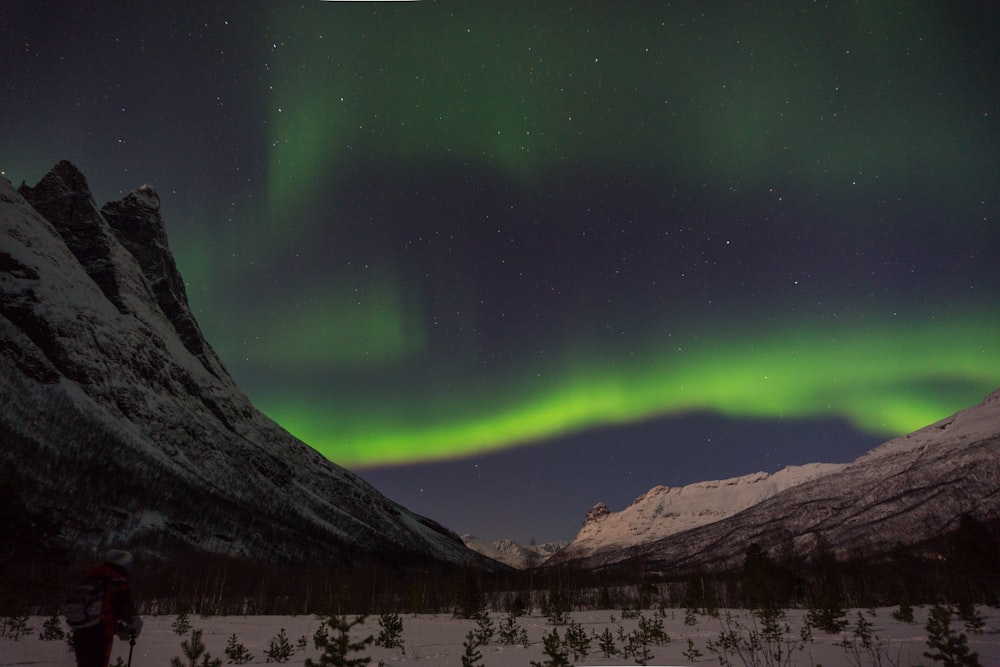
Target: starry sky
<point>507,260</point>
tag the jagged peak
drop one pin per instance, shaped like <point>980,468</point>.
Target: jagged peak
<point>145,196</point>
<point>70,174</point>
<point>596,513</point>
<point>64,179</point>
<point>136,219</point>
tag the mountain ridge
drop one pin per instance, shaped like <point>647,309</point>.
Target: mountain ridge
<point>907,490</point>
<point>119,417</point>
<point>663,510</point>
<point>510,553</point>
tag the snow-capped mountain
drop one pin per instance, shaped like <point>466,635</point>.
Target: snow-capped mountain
<point>118,415</point>
<point>907,490</point>
<point>513,554</point>
<point>663,511</point>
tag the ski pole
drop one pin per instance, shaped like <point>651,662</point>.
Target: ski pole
<point>131,645</point>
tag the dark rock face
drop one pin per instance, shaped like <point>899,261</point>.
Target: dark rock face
<point>64,199</point>
<point>596,513</point>
<point>116,414</point>
<point>138,225</point>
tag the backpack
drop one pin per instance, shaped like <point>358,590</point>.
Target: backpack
<point>85,605</point>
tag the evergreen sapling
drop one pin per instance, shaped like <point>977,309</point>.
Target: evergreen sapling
<point>338,649</point>
<point>237,653</point>
<point>471,656</point>
<point>280,650</point>
<point>390,631</point>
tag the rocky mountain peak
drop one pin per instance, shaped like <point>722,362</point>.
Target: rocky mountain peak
<point>596,513</point>
<point>106,383</point>
<point>63,198</point>
<point>64,182</point>
<point>138,225</point>
<point>122,246</point>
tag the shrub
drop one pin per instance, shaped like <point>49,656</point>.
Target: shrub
<point>471,656</point>
<point>390,631</point>
<point>554,651</point>
<point>15,627</point>
<point>511,632</point>
<point>945,646</point>
<point>194,649</point>
<point>236,653</point>
<point>280,650</point>
<point>181,624</point>
<point>52,630</point>
<point>829,617</point>
<point>903,613</point>
<point>337,649</point>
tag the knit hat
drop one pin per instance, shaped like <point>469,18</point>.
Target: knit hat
<point>121,558</point>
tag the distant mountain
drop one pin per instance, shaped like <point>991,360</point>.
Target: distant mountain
<point>664,511</point>
<point>513,554</point>
<point>116,414</point>
<point>908,490</point>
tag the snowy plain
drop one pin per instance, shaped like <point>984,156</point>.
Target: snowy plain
<point>438,640</point>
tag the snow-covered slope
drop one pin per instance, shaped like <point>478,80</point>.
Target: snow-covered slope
<point>908,490</point>
<point>117,414</point>
<point>663,511</point>
<point>513,554</point>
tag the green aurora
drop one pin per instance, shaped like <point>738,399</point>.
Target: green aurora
<point>885,379</point>
<point>746,96</point>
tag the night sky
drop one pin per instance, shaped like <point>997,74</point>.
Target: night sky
<point>507,260</point>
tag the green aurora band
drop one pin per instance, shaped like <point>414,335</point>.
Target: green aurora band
<point>885,380</point>
<point>733,98</point>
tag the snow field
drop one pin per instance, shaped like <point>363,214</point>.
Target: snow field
<point>438,640</point>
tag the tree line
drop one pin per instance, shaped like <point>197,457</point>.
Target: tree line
<point>38,567</point>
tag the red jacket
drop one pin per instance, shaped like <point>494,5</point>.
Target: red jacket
<point>117,604</point>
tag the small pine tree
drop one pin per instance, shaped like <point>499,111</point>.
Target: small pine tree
<point>52,630</point>
<point>511,632</point>
<point>863,631</point>
<point>903,613</point>
<point>638,648</point>
<point>182,624</point>
<point>607,643</point>
<point>194,649</point>
<point>237,653</point>
<point>471,656</point>
<point>577,641</point>
<point>280,650</point>
<point>970,615</point>
<point>652,630</point>
<point>16,627</point>
<point>945,646</point>
<point>829,616</point>
<point>390,631</point>
<point>337,649</point>
<point>554,650</point>
<point>485,630</point>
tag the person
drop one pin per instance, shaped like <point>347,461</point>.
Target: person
<point>92,644</point>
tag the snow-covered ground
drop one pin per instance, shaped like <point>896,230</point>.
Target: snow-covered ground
<point>438,640</point>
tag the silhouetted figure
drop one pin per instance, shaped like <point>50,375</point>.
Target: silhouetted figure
<point>103,609</point>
